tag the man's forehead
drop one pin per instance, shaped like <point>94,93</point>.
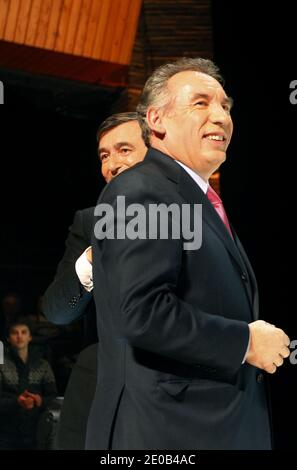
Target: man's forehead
<point>19,327</point>
<point>189,82</point>
<point>126,128</point>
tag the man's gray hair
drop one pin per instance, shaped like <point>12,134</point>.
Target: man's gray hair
<point>155,91</point>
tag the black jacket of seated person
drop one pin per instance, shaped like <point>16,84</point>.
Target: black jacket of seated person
<point>17,425</point>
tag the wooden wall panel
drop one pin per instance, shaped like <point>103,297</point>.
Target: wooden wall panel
<point>92,28</point>
<point>11,20</point>
<point>127,43</point>
<point>72,27</point>
<point>4,10</point>
<point>43,23</point>
<point>110,29</point>
<point>99,29</point>
<point>82,31</point>
<point>54,20</point>
<point>31,34</point>
<point>118,37</point>
<point>62,16</point>
<point>22,24</point>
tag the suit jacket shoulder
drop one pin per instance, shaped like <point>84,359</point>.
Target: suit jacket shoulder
<point>65,300</point>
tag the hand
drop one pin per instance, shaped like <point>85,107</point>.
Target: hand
<point>37,400</point>
<point>25,402</point>
<point>89,255</point>
<point>268,346</point>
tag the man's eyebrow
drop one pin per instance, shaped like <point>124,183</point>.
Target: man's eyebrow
<point>101,150</point>
<point>123,144</point>
<point>228,100</point>
<point>197,96</point>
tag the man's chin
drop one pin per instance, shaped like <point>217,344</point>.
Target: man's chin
<point>216,159</point>
<point>19,346</point>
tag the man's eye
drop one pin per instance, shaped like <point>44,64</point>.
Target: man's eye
<point>125,150</point>
<point>201,103</point>
<point>226,108</point>
<point>103,156</point>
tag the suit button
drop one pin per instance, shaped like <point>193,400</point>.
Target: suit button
<point>260,378</point>
<point>244,277</point>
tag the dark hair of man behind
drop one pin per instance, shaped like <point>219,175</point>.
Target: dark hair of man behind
<point>115,120</point>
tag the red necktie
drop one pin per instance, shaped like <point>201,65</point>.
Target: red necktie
<point>218,205</point>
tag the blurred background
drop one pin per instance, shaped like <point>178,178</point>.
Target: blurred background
<point>68,64</point>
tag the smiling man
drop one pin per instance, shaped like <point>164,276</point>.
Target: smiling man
<point>183,354</point>
<point>120,146</point>
<point>196,125</point>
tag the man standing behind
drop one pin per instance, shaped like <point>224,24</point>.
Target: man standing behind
<point>70,297</point>
<point>181,341</point>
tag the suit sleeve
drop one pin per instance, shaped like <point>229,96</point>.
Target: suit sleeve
<point>143,276</point>
<point>65,300</point>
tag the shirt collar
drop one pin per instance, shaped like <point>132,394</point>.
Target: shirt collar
<point>197,178</point>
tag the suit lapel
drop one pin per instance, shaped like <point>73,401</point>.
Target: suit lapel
<point>192,193</point>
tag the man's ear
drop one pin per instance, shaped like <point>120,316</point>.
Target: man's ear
<point>154,119</point>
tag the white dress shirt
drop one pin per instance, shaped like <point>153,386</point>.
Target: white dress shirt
<point>84,271</point>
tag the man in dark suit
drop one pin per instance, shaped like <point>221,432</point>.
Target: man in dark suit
<point>70,296</point>
<point>183,354</point>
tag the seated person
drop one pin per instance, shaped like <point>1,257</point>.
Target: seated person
<point>27,386</point>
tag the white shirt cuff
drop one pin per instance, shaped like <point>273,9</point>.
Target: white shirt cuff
<point>84,271</point>
<point>247,349</point>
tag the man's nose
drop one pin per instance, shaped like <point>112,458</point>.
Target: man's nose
<point>114,165</point>
<point>219,115</point>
